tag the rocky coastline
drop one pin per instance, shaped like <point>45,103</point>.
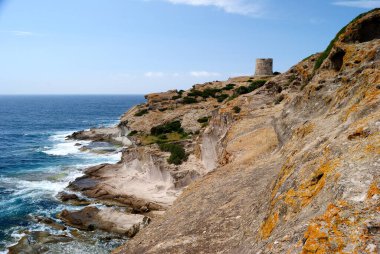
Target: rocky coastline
<point>278,164</point>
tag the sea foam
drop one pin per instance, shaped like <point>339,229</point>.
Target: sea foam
<point>61,146</point>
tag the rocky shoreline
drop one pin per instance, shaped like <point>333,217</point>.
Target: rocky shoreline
<point>286,163</point>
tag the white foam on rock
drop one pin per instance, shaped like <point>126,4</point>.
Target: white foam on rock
<point>51,182</point>
<point>63,147</point>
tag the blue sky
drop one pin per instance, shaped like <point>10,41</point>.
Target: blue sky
<point>141,46</point>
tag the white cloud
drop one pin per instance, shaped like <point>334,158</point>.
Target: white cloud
<point>204,74</point>
<point>242,7</point>
<point>22,33</point>
<point>152,74</point>
<point>359,4</point>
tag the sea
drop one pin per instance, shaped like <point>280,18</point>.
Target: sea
<point>37,162</point>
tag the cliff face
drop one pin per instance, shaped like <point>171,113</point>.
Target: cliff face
<point>294,166</point>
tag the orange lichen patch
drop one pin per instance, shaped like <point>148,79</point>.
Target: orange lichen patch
<point>290,198</point>
<point>285,172</point>
<point>369,96</point>
<point>339,227</point>
<point>316,240</point>
<point>351,110</point>
<point>372,95</point>
<point>373,149</point>
<point>302,196</point>
<point>323,235</point>
<point>268,225</point>
<point>373,190</point>
<point>304,130</point>
<point>311,187</point>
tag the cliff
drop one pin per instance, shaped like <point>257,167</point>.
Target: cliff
<point>291,166</point>
<point>277,164</point>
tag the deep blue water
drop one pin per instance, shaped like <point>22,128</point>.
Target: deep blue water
<point>36,162</point>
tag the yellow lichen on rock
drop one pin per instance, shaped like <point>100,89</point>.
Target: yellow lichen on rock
<point>373,190</point>
<point>311,187</point>
<point>341,229</point>
<point>268,225</point>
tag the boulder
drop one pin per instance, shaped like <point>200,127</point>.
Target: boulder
<point>72,199</point>
<point>35,242</point>
<point>108,219</point>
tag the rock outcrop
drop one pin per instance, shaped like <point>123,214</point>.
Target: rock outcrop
<point>288,164</point>
<point>108,219</point>
<point>291,167</point>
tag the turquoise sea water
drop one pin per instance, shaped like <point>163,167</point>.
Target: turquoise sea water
<point>36,162</point>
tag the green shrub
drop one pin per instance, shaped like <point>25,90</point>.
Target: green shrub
<point>210,92</point>
<point>194,93</point>
<point>241,90</point>
<point>163,137</point>
<point>203,119</point>
<point>167,128</point>
<point>251,87</point>
<point>292,78</point>
<point>229,87</point>
<point>236,109</point>
<point>189,100</point>
<point>178,153</point>
<point>256,84</point>
<point>232,97</point>
<point>175,97</point>
<point>222,97</point>
<point>163,109</point>
<point>142,112</point>
<point>327,51</point>
<point>132,133</point>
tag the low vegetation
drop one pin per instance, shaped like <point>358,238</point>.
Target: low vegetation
<point>247,89</point>
<point>189,100</point>
<point>229,87</point>
<point>174,126</point>
<point>327,51</point>
<point>132,133</point>
<point>222,97</point>
<point>168,132</point>
<point>208,92</point>
<point>236,109</point>
<point>218,94</point>
<point>178,154</point>
<point>142,112</point>
<point>163,138</point>
<point>256,84</point>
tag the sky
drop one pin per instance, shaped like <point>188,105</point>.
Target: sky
<point>143,46</point>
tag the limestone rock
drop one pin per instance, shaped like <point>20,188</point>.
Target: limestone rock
<point>108,219</point>
<point>296,175</point>
<point>35,243</point>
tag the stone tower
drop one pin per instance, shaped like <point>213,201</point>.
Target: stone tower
<point>264,67</point>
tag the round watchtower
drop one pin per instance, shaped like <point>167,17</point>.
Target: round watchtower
<point>264,67</point>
